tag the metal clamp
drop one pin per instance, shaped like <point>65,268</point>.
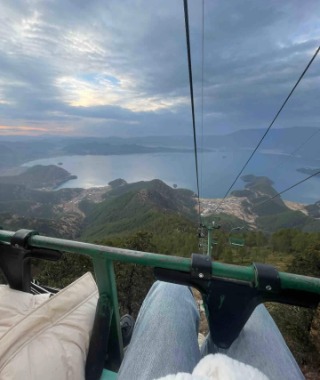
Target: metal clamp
<point>15,259</point>
<point>21,237</point>
<point>267,278</point>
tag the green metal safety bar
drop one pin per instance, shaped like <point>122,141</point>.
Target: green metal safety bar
<point>103,257</point>
<point>109,254</point>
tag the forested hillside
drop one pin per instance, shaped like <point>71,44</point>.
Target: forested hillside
<point>273,214</point>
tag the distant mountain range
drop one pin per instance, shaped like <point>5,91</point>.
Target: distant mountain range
<point>285,141</point>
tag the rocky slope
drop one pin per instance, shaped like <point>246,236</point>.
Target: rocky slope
<point>254,206</point>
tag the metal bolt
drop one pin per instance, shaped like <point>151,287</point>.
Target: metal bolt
<point>201,275</point>
<point>268,287</point>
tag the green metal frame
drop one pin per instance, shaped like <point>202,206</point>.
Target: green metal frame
<point>104,256</point>
<point>100,253</point>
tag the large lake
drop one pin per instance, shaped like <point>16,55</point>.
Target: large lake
<point>217,171</point>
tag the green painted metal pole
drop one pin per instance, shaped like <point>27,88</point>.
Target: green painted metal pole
<point>209,248</point>
<point>210,229</point>
<point>106,282</point>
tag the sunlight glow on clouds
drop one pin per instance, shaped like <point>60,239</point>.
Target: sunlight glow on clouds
<point>82,93</point>
<point>155,104</point>
<point>81,43</point>
<point>10,130</point>
<point>21,130</point>
<point>3,100</point>
<point>100,90</point>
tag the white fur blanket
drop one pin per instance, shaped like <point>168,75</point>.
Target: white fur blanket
<point>219,367</point>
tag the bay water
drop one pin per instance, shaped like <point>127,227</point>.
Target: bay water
<point>217,170</point>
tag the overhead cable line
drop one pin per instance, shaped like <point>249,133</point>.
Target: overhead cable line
<point>202,96</point>
<point>287,189</point>
<point>268,129</point>
<point>186,17</point>
<point>304,142</point>
<point>277,166</point>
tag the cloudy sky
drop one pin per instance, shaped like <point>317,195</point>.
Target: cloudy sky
<point>113,67</point>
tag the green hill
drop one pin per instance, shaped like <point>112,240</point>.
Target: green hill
<point>257,191</point>
<point>132,207</point>
<point>273,214</point>
<point>288,219</point>
<point>21,201</point>
<point>39,176</point>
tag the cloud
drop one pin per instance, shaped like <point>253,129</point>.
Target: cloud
<point>9,130</point>
<point>121,68</point>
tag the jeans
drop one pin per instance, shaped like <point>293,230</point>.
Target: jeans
<point>165,339</point>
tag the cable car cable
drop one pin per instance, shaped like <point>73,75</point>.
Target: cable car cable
<point>202,95</point>
<point>268,129</point>
<point>277,166</point>
<point>287,189</point>
<point>186,17</point>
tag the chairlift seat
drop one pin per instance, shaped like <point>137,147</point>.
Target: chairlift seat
<point>236,241</point>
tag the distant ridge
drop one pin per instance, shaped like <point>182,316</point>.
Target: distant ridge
<point>18,151</point>
<point>39,177</point>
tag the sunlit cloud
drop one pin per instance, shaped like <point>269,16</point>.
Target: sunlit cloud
<point>156,103</point>
<point>100,90</point>
<point>82,93</point>
<point>8,130</point>
<point>21,130</point>
<point>4,101</point>
<point>83,43</point>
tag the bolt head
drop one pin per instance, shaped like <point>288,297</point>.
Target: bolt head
<point>268,287</point>
<point>201,275</point>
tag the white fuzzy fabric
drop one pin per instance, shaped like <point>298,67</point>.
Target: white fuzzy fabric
<point>219,367</point>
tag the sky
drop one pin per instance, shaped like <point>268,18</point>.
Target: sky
<point>119,68</point>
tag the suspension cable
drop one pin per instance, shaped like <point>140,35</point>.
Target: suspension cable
<point>202,96</point>
<point>268,129</point>
<point>287,189</point>
<point>276,167</point>
<point>186,16</point>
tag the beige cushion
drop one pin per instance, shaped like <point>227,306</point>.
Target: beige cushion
<point>43,338</point>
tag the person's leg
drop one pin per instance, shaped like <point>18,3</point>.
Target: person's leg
<point>165,337</point>
<point>261,345</point>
